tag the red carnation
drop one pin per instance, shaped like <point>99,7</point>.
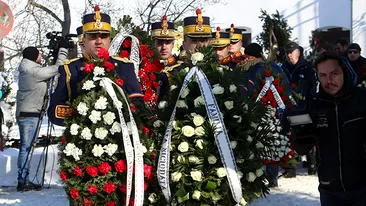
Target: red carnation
<point>132,203</point>
<point>133,108</point>
<point>292,153</point>
<point>293,85</point>
<point>120,166</point>
<point>63,176</point>
<point>104,168</point>
<point>148,172</point>
<point>103,54</point>
<point>145,185</point>
<point>108,66</point>
<point>74,193</point>
<point>279,89</point>
<point>267,73</point>
<point>275,82</point>
<point>88,67</point>
<point>109,188</point>
<point>78,171</point>
<point>153,154</point>
<point>123,189</point>
<point>111,203</point>
<point>92,171</point>
<point>146,130</point>
<point>71,112</point>
<point>124,54</point>
<point>87,202</point>
<point>63,140</point>
<point>93,189</point>
<point>265,162</point>
<point>156,85</point>
<point>138,27</point>
<point>285,158</point>
<point>126,44</point>
<point>119,81</point>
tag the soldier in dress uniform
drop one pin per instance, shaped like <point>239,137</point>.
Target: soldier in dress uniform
<point>79,32</point>
<point>163,35</point>
<point>197,32</point>
<point>96,29</point>
<point>236,41</point>
<point>220,42</point>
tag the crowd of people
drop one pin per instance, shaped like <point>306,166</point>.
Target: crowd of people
<point>335,145</point>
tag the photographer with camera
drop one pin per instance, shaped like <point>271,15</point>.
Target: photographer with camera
<point>334,121</point>
<point>33,80</point>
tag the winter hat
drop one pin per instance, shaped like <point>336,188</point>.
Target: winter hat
<point>354,46</point>
<point>254,49</point>
<point>31,53</point>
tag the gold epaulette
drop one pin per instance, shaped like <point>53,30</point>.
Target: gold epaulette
<point>247,62</point>
<point>168,69</point>
<point>125,60</point>
<point>226,60</point>
<point>237,54</point>
<point>68,61</point>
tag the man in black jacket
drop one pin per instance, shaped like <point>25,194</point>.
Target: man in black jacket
<point>338,117</point>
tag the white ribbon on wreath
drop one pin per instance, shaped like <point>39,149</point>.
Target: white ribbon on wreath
<point>133,153</point>
<point>221,138</point>
<point>269,85</point>
<point>117,41</point>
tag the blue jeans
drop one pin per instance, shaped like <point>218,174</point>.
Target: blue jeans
<point>272,171</point>
<point>27,128</point>
<point>350,198</point>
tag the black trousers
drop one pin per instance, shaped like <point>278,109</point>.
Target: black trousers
<point>351,198</point>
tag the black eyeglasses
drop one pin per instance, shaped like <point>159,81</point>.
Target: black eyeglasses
<point>352,51</point>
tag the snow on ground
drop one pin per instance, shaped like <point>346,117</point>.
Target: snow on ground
<point>299,191</point>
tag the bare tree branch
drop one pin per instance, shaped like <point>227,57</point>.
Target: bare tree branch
<point>150,13</point>
<point>46,10</point>
<point>67,18</point>
<point>185,8</point>
<point>167,9</point>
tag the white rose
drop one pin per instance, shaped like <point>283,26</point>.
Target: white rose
<point>116,128</point>
<point>276,142</point>
<point>199,143</point>
<point>70,147</point>
<point>283,142</point>
<point>82,108</point>
<point>152,198</point>
<point>108,118</point>
<point>240,174</point>
<point>101,103</point>
<point>237,117</point>
<point>221,172</point>
<point>118,104</point>
<point>254,125</point>
<point>193,159</point>
<point>199,101</point>
<point>199,131</point>
<point>181,158</point>
<point>100,133</point>
<point>95,116</point>
<point>196,195</point>
<point>158,123</point>
<point>97,150</point>
<point>173,87</point>
<point>183,147</point>
<point>250,177</point>
<point>74,129</point>
<point>196,57</point>
<point>180,29</point>
<point>98,71</point>
<point>143,149</point>
<point>188,131</point>
<point>198,120</point>
<point>110,149</point>
<point>259,145</point>
<point>249,138</point>
<point>176,176</point>
<point>185,93</point>
<point>232,88</point>
<point>211,159</point>
<point>229,104</point>
<point>196,175</point>
<point>251,156</point>
<point>88,85</point>
<point>76,153</point>
<point>259,172</point>
<point>220,69</point>
<point>233,144</point>
<point>182,104</point>
<point>175,125</point>
<point>217,89</point>
<point>243,202</point>
<point>86,134</point>
<point>162,104</point>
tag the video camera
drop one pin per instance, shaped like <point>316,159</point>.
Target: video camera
<point>56,36</point>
